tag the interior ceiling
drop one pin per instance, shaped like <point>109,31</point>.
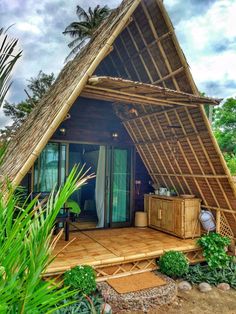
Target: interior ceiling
<point>185,157</point>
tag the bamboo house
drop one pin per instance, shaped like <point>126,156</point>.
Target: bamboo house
<point>128,107</point>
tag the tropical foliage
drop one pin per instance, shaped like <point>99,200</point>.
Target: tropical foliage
<point>82,278</point>
<point>26,246</point>
<point>36,88</point>
<point>213,245</point>
<point>199,273</point>
<point>224,125</point>
<point>81,31</point>
<point>9,54</point>
<point>173,264</point>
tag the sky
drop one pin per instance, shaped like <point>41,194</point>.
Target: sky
<point>205,29</point>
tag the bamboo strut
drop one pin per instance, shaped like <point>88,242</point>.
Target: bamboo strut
<point>167,157</point>
<point>211,176</point>
<point>159,44</point>
<point>156,151</point>
<point>167,139</point>
<point>170,75</point>
<point>175,161</point>
<point>219,209</point>
<point>147,46</point>
<point>196,158</point>
<point>150,55</point>
<point>129,97</point>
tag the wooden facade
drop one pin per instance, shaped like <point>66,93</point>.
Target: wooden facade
<point>144,88</point>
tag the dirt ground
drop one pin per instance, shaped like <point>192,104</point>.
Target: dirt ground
<point>196,302</point>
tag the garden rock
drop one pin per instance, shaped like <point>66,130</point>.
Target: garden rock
<point>223,286</point>
<point>184,286</point>
<point>143,300</point>
<point>204,287</point>
<point>106,308</point>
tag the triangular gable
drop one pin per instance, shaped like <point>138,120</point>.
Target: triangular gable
<point>145,49</point>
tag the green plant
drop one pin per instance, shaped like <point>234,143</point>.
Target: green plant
<point>213,245</point>
<point>82,278</point>
<point>199,273</point>
<point>8,57</point>
<point>231,162</point>
<point>84,29</point>
<point>83,305</point>
<point>173,264</point>
<point>26,249</point>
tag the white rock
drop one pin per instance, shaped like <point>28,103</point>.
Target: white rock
<point>184,286</point>
<point>106,308</point>
<point>223,286</point>
<point>204,287</point>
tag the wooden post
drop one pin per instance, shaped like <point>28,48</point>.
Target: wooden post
<point>218,221</point>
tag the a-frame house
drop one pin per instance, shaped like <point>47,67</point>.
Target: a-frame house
<point>128,106</point>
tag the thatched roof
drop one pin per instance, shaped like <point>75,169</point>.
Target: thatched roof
<point>138,43</point>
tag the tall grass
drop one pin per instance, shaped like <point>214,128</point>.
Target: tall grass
<point>26,248</point>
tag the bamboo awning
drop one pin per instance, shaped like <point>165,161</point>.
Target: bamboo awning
<point>126,91</point>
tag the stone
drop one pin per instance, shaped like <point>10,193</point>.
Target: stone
<point>106,308</point>
<point>142,300</point>
<point>204,287</point>
<point>184,286</point>
<point>223,286</point>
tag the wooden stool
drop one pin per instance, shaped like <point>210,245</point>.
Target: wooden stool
<point>140,219</point>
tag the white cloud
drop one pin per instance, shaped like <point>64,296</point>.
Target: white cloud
<point>206,31</point>
<point>209,43</point>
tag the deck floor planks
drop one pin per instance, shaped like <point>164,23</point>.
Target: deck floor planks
<point>101,247</point>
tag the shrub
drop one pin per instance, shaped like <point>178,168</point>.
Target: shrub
<point>199,273</point>
<point>173,264</point>
<point>213,245</point>
<point>82,278</point>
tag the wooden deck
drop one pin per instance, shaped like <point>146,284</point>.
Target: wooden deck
<point>129,249</point>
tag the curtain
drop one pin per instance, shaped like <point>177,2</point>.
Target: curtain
<point>46,169</point>
<point>100,186</point>
<point>120,186</point>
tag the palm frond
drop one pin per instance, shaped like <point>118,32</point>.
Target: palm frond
<point>81,13</point>
<point>8,57</point>
<point>26,249</point>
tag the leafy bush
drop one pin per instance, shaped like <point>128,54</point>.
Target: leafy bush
<point>82,278</point>
<point>231,162</point>
<point>173,264</point>
<point>198,274</point>
<point>82,305</point>
<point>213,245</point>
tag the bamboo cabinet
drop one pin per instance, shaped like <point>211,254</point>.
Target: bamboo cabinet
<point>174,215</point>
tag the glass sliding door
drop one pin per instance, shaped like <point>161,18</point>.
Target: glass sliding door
<point>120,186</point>
<point>50,168</point>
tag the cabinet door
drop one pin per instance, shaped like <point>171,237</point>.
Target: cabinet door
<point>178,217</point>
<point>155,212</point>
<point>167,221</point>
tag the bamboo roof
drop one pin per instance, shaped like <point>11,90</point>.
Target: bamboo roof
<point>126,91</point>
<point>138,43</point>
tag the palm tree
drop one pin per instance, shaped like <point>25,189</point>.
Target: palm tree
<point>84,29</point>
<point>8,57</point>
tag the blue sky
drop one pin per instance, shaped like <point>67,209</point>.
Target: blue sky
<point>205,29</point>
